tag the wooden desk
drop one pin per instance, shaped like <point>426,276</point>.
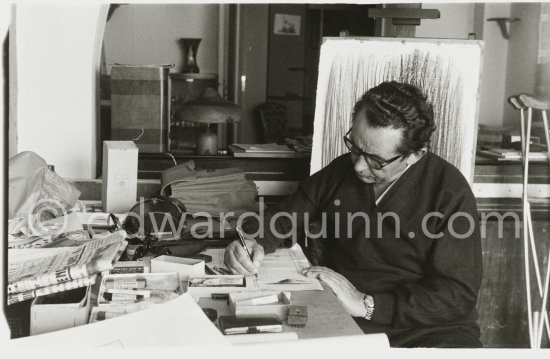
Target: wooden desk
<point>501,303</point>
<point>326,317</point>
<point>150,165</point>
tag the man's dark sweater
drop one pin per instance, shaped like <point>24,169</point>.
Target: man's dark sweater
<point>423,287</point>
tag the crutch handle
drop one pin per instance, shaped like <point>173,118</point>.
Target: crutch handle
<point>514,101</point>
<point>535,101</point>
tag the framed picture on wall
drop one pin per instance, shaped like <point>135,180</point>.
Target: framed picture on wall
<point>286,24</point>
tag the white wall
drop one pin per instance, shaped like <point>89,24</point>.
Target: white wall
<point>149,34</point>
<point>522,56</point>
<point>55,66</point>
<point>509,66</point>
<point>456,21</point>
<point>494,68</point>
<point>543,55</point>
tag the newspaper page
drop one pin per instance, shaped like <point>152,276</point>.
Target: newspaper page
<point>21,235</point>
<point>23,241</point>
<point>21,226</point>
<point>109,255</point>
<point>34,262</point>
<point>61,287</point>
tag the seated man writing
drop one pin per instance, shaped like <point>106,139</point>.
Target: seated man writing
<point>400,227</point>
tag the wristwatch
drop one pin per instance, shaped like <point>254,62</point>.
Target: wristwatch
<point>368,302</point>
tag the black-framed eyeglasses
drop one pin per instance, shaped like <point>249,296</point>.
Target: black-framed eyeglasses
<point>369,158</point>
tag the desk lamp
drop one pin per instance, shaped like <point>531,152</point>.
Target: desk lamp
<point>208,109</point>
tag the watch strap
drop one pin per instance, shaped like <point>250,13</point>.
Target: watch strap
<point>368,302</point>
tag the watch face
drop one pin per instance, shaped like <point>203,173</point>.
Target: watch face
<point>369,301</point>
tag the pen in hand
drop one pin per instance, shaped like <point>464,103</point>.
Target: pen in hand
<point>243,244</point>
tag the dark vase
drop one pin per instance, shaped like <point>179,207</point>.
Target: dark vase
<point>190,47</point>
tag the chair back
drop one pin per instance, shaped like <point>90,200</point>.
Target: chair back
<point>273,122</point>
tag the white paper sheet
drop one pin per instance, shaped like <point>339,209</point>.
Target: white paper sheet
<point>262,338</point>
<point>280,271</point>
<point>318,347</point>
<point>178,322</point>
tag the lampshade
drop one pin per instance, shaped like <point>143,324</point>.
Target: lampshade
<point>208,108</point>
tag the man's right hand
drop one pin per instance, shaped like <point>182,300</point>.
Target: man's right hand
<point>236,258</point>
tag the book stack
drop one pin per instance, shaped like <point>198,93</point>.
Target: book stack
<point>262,150</point>
<point>502,154</point>
<point>302,144</point>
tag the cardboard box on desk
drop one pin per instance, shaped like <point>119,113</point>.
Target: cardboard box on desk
<point>119,176</point>
<point>183,266</point>
<point>56,316</point>
<point>165,285</point>
<point>249,304</point>
<point>204,285</point>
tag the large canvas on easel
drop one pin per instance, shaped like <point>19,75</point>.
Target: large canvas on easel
<point>448,72</point>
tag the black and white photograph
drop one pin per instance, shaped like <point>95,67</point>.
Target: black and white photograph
<point>367,178</point>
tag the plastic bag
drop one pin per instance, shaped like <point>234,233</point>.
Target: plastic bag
<point>212,191</point>
<point>36,192</point>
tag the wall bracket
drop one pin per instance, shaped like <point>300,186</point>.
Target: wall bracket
<point>504,24</point>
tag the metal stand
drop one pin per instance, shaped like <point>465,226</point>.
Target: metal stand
<point>537,318</point>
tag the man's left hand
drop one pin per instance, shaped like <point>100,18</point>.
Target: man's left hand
<point>350,298</point>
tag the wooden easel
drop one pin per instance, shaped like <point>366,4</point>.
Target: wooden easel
<point>404,18</point>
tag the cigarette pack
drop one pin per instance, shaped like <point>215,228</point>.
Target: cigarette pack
<point>250,325</point>
<point>128,267</point>
<point>204,285</point>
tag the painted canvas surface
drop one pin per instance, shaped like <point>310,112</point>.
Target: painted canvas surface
<point>448,72</point>
<point>285,24</point>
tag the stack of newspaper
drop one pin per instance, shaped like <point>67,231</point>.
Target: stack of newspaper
<point>300,143</point>
<point>34,272</point>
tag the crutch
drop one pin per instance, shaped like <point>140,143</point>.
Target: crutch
<point>541,104</point>
<point>536,320</point>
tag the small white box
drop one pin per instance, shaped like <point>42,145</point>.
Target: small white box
<point>199,286</point>
<point>56,316</point>
<point>183,266</point>
<point>119,174</point>
<point>129,267</point>
<point>240,306</point>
